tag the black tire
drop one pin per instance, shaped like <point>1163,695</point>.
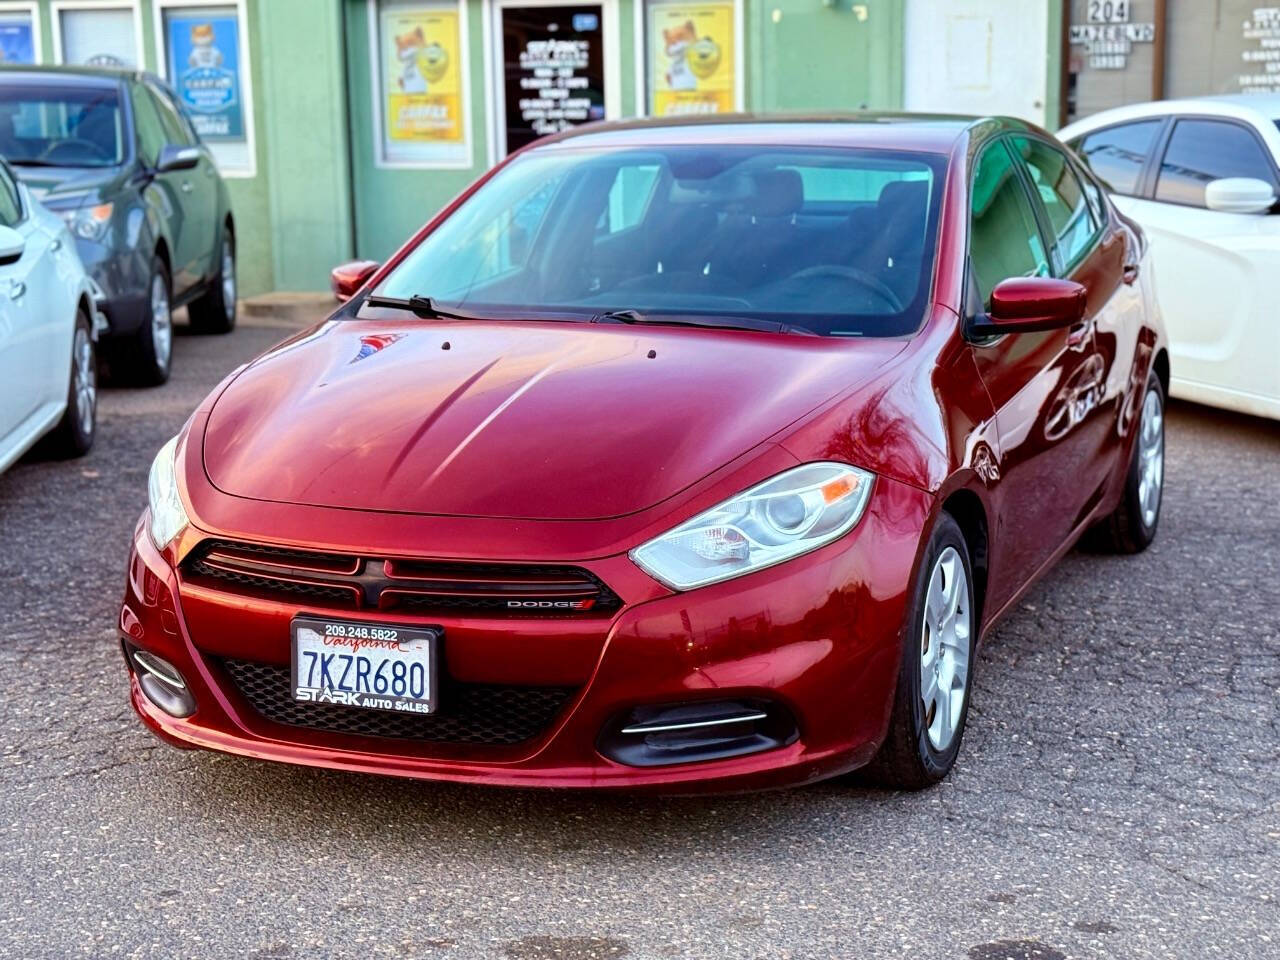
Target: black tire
<point>1131,527</point>
<point>145,359</point>
<point>908,759</point>
<point>215,312</point>
<point>73,436</point>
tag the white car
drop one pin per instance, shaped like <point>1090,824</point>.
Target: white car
<point>48,330</point>
<point>1202,177</point>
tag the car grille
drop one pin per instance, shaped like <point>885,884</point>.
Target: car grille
<point>468,712</point>
<point>423,586</point>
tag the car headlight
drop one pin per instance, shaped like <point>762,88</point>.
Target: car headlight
<point>795,512</point>
<point>168,516</point>
<point>89,223</point>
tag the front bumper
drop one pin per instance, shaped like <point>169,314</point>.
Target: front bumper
<point>818,637</point>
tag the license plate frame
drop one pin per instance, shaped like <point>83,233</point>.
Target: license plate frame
<point>348,642</point>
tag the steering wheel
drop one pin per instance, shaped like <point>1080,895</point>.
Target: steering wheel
<point>863,279</point>
<point>57,146</point>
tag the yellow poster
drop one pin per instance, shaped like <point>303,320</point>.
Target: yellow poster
<point>422,75</point>
<point>691,58</point>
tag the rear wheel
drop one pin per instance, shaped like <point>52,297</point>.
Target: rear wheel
<point>73,436</point>
<point>931,701</point>
<point>1132,525</point>
<point>215,312</point>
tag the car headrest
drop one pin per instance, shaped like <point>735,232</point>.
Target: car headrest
<point>904,198</point>
<point>778,193</point>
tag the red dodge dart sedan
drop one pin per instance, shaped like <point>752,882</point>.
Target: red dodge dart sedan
<point>670,455</point>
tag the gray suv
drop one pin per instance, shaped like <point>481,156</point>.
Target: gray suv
<point>113,153</point>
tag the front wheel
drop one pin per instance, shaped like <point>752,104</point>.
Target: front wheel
<point>215,312</point>
<point>73,436</point>
<point>931,701</point>
<point>146,358</point>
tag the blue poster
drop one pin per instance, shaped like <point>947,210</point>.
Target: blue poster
<point>16,43</point>
<point>204,68</point>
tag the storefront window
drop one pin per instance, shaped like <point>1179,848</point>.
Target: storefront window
<point>97,35</point>
<point>1227,46</point>
<point>690,55</point>
<point>206,64</point>
<point>19,43</point>
<point>420,65</point>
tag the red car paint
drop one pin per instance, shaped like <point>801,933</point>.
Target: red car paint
<point>991,429</point>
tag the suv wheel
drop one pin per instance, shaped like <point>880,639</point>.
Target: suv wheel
<point>215,312</point>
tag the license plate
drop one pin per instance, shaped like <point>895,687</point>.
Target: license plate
<point>364,665</point>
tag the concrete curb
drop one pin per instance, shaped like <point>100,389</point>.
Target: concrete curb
<point>290,310</point>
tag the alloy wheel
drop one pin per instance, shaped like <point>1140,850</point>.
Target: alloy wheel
<point>1151,457</point>
<point>944,648</point>
<point>228,279</point>
<point>84,380</point>
<point>161,321</point>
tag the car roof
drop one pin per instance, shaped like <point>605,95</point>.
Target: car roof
<point>930,133</point>
<point>87,76</point>
<point>1256,108</point>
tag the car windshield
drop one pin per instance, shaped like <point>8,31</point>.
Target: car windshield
<point>61,126</point>
<point>838,242</point>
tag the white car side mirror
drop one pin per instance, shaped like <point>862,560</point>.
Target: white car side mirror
<point>12,243</point>
<point>1239,195</point>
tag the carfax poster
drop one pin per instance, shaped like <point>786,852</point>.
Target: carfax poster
<point>204,68</point>
<point>691,58</point>
<point>16,42</point>
<point>421,76</point>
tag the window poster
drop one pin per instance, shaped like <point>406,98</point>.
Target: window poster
<point>421,83</point>
<point>204,69</point>
<point>17,44</point>
<point>553,68</point>
<point>690,51</point>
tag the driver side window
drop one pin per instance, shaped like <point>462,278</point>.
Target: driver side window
<point>150,131</point>
<point>1004,238</point>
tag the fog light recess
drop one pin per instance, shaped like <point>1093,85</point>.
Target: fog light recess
<point>690,732</point>
<point>161,682</point>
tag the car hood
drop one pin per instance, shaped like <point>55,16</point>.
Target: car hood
<point>560,421</point>
<point>67,187</point>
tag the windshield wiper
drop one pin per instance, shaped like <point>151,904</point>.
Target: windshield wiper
<point>693,320</point>
<point>424,307</point>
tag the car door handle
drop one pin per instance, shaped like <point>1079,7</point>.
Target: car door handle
<point>1078,334</point>
<point>186,186</point>
<point>1130,273</point>
<point>55,244</point>
<point>16,289</point>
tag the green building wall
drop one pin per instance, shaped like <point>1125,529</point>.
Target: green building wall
<point>317,196</point>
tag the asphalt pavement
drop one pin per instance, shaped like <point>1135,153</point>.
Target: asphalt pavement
<point>1118,794</point>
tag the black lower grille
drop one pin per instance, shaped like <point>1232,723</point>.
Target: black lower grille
<point>468,712</point>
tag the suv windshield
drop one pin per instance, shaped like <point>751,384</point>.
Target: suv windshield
<point>836,241</point>
<point>61,126</point>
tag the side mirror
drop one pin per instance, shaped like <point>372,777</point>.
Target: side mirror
<point>175,157</point>
<point>350,277</point>
<point>12,243</point>
<point>1239,195</point>
<point>1027,304</point>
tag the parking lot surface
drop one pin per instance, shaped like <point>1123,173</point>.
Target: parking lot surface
<point>1117,796</point>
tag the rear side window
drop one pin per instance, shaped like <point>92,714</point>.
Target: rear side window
<point>1116,155</point>
<point>1201,151</point>
<point>1004,237</point>
<point>1071,219</point>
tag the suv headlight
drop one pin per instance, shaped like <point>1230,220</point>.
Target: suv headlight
<point>168,516</point>
<point>89,223</point>
<point>795,512</point>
